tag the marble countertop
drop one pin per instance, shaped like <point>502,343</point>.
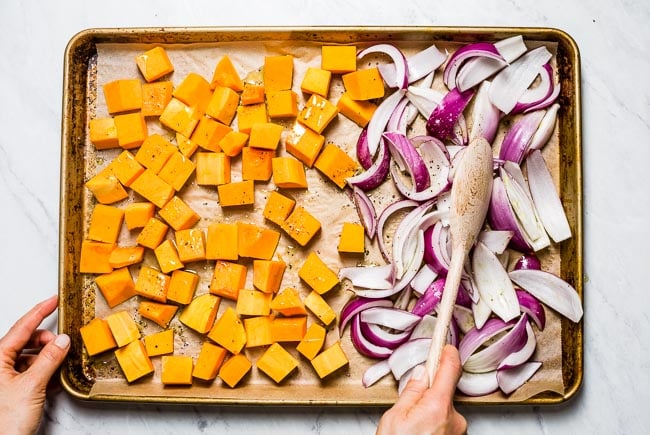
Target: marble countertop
<point>613,38</point>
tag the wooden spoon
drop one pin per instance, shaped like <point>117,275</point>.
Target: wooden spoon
<point>470,198</point>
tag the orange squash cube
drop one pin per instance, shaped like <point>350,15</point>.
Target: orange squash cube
<point>233,142</point>
<point>253,93</point>
<point>288,329</point>
<point>185,145</point>
<point>177,170</point>
<point>267,275</point>
<point>126,168</point>
<point>131,129</point>
<point>256,242</point>
<point>317,113</point>
<point>190,244</point>
<point>103,133</point>
<point>277,363</point>
<point>258,331</point>
<point>339,58</point>
<point>249,115</point>
<point>304,144</point>
<point>123,95</point>
<point>223,104</point>
<point>288,303</point>
<point>152,284</point>
<point>352,238</point>
<point>234,369</point>
<point>226,75</point>
<point>167,257</point>
<point>210,359</point>
<point>154,63</point>
<point>330,360</point>
<point>312,342</point>
<point>320,308</point>
<point>161,314</point>
<point>178,214</point>
<point>265,135</point>
<point>151,187</point>
<point>336,164</point>
<point>257,164</point>
<point>360,112</point>
<point>365,84</point>
<point>236,194</point>
<point>123,256</point>
<point>159,343</point>
<point>282,104</point>
<point>176,370</point>
<point>228,331</point>
<point>222,242</point>
<point>316,81</point>
<point>106,188</point>
<point>289,173</point>
<point>116,286</point>
<point>317,274</point>
<point>154,152</point>
<point>180,117</point>
<point>301,226</point>
<point>137,214</point>
<point>278,207</point>
<point>199,315</point>
<point>105,223</point>
<point>155,97</point>
<point>134,361</point>
<point>253,303</point>
<point>278,72</point>
<point>228,279</point>
<point>194,91</point>
<point>182,286</point>
<point>152,234</point>
<point>123,327</point>
<point>212,169</point>
<point>209,133</point>
<point>95,256</point>
<point>97,337</point>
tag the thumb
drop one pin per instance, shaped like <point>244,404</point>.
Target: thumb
<point>414,389</point>
<point>48,360</point>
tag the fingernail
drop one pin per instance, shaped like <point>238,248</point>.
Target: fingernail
<point>62,341</point>
<point>419,373</point>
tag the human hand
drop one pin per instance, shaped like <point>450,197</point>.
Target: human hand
<point>28,359</point>
<point>424,410</point>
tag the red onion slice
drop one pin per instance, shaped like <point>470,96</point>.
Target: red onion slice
<point>545,129</point>
<point>475,338</point>
<point>392,318</point>
<point>478,384</point>
<point>418,65</point>
<point>437,164</point>
<point>408,355</point>
<point>363,153</point>
<point>467,52</point>
<point>515,143</point>
<point>546,199</point>
<point>511,48</point>
<point>513,378</point>
<point>424,99</point>
<point>436,254</point>
<point>423,278</point>
<point>408,159</point>
<point>366,211</point>
<point>377,335</point>
<point>444,117</point>
<point>501,216</point>
<point>481,312</point>
<point>551,290</point>
<point>374,175</point>
<point>380,118</point>
<point>464,318</point>
<point>430,299</point>
<point>375,277</point>
<point>400,77</point>
<point>355,306</point>
<point>383,218</point>
<point>485,116</point>
<point>363,345</point>
<point>375,372</point>
<point>522,355</point>
<point>535,95</point>
<point>528,261</point>
<point>530,305</point>
<point>496,241</point>
<point>494,284</point>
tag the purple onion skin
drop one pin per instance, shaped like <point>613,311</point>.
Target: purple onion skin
<point>443,118</point>
<point>430,299</point>
<point>530,305</point>
<point>528,261</point>
<point>363,153</point>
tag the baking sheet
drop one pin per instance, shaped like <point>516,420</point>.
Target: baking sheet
<point>108,55</point>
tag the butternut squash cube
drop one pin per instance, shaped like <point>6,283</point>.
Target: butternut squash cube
<point>190,244</point>
<point>209,361</point>
<point>249,115</point>
<point>178,214</point>
<point>226,75</point>
<point>228,279</point>
<point>123,327</point>
<point>177,170</point>
<point>253,303</point>
<point>312,342</point>
<point>180,117</point>
<point>317,113</point>
<point>336,165</point>
<point>185,145</point>
<point>234,369</point>
<point>267,275</point>
<point>234,194</point>
<point>167,257</point>
<point>282,104</point>
<point>134,361</point>
<point>161,314</point>
<point>228,331</point>
<point>199,315</point>
<point>95,256</point>
<point>339,58</point>
<point>278,72</point>
<point>137,214</point>
<point>330,360</point>
<point>97,337</point>
<point>301,226</point>
<point>289,173</point>
<point>278,207</point>
<point>288,303</point>
<point>116,286</point>
<point>154,63</point>
<point>103,133</point>
<point>364,84</point>
<point>152,284</point>
<point>321,309</point>
<point>223,104</point>
<point>123,95</point>
<point>194,91</point>
<point>360,112</point>
<point>316,81</point>
<point>352,238</point>
<point>258,331</point>
<point>131,130</point>
<point>154,152</point>
<point>106,188</point>
<point>182,286</point>
<point>155,97</point>
<point>152,234</point>
<point>277,363</point>
<point>317,274</point>
<point>222,242</point>
<point>159,343</point>
<point>212,169</point>
<point>265,135</point>
<point>304,144</point>
<point>233,142</point>
<point>257,164</point>
<point>256,242</point>
<point>105,223</point>
<point>123,256</point>
<point>176,370</point>
<point>126,168</point>
<point>288,329</point>
<point>151,187</point>
<point>208,134</point>
<point>253,93</point>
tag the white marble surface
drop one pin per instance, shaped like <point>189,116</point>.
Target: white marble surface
<point>613,37</point>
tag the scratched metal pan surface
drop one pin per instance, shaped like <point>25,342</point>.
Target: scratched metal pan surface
<point>77,301</point>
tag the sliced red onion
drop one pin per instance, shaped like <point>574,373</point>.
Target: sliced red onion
<point>545,129</point>
<point>475,338</point>
<point>363,345</point>
<point>489,358</point>
<point>543,104</point>
<point>435,248</point>
<point>365,210</point>
<point>408,159</point>
<point>502,217</point>
<point>392,318</point>
<point>445,116</point>
<point>546,199</point>
<point>404,239</point>
<point>515,143</point>
<point>511,48</point>
<point>437,164</point>
<point>481,312</point>
<point>424,328</point>
<point>380,118</point>
<point>478,384</point>
<point>465,294</point>
<point>375,277</point>
<point>464,318</point>
<point>496,241</point>
<point>377,335</point>
<point>408,355</point>
<point>363,153</point>
<point>399,120</point>
<point>493,282</point>
<point>522,355</point>
<point>400,77</point>
<point>418,65</point>
<point>511,82</point>
<point>528,261</point>
<point>424,99</point>
<point>381,222</point>
<point>355,306</point>
<point>375,372</point>
<point>430,299</point>
<point>461,135</point>
<point>539,94</point>
<point>467,52</point>
<point>376,173</point>
<point>423,278</point>
<point>513,378</point>
<point>551,290</point>
<point>485,116</point>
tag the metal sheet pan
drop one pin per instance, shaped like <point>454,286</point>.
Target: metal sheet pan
<point>77,301</point>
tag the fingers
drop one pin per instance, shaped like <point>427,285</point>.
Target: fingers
<point>20,334</point>
<point>448,374</point>
<point>39,339</point>
<point>48,360</point>
<point>414,389</point>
